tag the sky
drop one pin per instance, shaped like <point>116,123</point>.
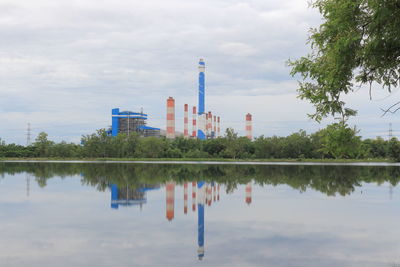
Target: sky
<point>65,64</point>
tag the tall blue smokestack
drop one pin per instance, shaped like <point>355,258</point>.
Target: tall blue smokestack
<point>202,116</point>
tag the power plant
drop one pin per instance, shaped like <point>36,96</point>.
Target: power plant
<point>129,122</point>
<point>205,125</point>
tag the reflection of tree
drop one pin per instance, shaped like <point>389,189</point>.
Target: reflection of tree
<point>330,180</point>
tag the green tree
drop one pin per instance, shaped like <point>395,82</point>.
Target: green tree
<point>394,149</point>
<point>237,147</point>
<point>152,147</point>
<point>340,141</point>
<point>357,41</point>
<point>43,145</point>
<point>377,148</point>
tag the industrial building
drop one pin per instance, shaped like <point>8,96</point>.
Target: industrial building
<point>205,125</point>
<point>128,122</point>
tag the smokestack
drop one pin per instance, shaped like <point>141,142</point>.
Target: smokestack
<point>209,123</point>
<point>202,116</point>
<point>215,126</point>
<point>194,133</point>
<point>218,127</point>
<point>206,124</point>
<point>171,117</point>
<point>249,127</point>
<point>186,121</point>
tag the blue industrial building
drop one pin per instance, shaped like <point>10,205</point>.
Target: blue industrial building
<point>128,122</point>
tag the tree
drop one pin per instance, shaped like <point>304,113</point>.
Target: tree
<point>340,141</point>
<point>43,145</point>
<point>394,149</point>
<point>359,40</point>
<point>152,147</point>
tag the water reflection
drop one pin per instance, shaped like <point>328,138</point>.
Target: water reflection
<point>201,187</point>
<point>127,196</point>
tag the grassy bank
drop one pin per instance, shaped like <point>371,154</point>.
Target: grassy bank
<point>201,159</point>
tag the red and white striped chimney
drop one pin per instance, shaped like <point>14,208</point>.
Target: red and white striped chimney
<point>215,126</point>
<point>249,127</point>
<point>209,122</point>
<point>171,117</point>
<point>206,122</point>
<point>218,127</point>
<point>194,133</point>
<point>186,121</point>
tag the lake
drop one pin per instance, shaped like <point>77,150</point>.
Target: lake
<point>115,214</point>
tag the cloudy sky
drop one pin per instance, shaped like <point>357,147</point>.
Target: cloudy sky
<point>65,64</point>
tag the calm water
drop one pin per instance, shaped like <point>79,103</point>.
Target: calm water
<point>59,214</point>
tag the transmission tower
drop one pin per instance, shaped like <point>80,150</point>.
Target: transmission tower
<point>28,135</point>
<point>390,131</point>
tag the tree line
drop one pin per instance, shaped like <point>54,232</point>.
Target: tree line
<point>336,141</point>
<point>327,179</point>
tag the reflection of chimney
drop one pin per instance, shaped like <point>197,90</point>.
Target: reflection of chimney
<point>185,197</point>
<point>214,192</point>
<point>248,193</point>
<point>200,219</point>
<point>194,184</point>
<point>218,193</point>
<point>170,200</point>
<point>209,195</point>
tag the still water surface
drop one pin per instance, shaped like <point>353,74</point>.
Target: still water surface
<point>189,215</point>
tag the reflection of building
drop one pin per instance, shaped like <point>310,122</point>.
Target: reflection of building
<point>128,196</point>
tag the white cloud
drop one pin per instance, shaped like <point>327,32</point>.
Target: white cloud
<point>65,64</point>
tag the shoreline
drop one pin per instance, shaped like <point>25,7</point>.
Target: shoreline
<point>332,162</point>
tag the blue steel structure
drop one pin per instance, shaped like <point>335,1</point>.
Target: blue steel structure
<point>137,122</point>
<point>201,112</point>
